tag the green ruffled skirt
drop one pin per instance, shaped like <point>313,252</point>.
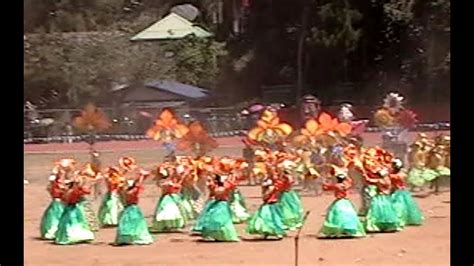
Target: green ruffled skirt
<point>187,204</point>
<point>110,209</point>
<point>197,228</point>
<point>368,192</point>
<point>73,227</point>
<point>50,219</point>
<point>132,227</point>
<point>237,205</point>
<point>267,221</point>
<point>85,206</point>
<point>217,224</point>
<point>342,221</point>
<point>169,214</point>
<point>382,216</point>
<point>407,209</point>
<point>291,209</point>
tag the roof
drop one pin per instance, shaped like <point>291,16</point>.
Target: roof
<point>177,88</point>
<point>171,27</point>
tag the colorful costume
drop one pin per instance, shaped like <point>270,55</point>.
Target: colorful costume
<point>238,207</point>
<point>169,214</point>
<point>382,215</point>
<point>52,215</point>
<point>290,203</point>
<point>341,218</point>
<point>267,221</point>
<point>217,223</point>
<point>112,205</point>
<point>132,226</point>
<point>73,226</point>
<point>408,211</point>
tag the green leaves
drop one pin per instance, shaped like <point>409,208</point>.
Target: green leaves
<point>196,60</point>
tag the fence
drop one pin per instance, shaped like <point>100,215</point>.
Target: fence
<point>131,123</point>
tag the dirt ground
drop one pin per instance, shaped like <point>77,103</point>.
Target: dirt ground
<point>428,244</point>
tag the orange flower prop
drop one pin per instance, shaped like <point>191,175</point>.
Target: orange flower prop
<point>269,129</point>
<point>197,140</point>
<point>92,119</point>
<point>167,127</point>
<point>324,126</point>
<point>328,124</point>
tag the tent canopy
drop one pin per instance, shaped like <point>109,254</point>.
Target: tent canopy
<point>171,27</point>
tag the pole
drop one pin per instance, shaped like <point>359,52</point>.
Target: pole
<point>297,237</point>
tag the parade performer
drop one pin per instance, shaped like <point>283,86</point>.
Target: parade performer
<point>289,200</point>
<point>112,205</point>
<point>237,201</point>
<point>217,223</point>
<point>132,227</point>
<point>84,204</point>
<point>52,215</point>
<point>73,226</point>
<point>185,171</point>
<point>267,220</point>
<point>341,218</point>
<point>169,214</point>
<point>381,215</point>
<point>408,211</point>
<point>205,172</point>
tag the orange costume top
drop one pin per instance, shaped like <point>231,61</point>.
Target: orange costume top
<point>398,180</point>
<point>340,189</point>
<point>56,189</point>
<point>170,187</point>
<point>222,192</point>
<point>131,196</point>
<point>75,194</point>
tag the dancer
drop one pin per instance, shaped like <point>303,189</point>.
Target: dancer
<point>112,205</point>
<point>84,204</point>
<point>52,215</point>
<point>267,221</point>
<point>73,226</point>
<point>289,200</point>
<point>341,218</point>
<point>381,214</point>
<point>132,227</point>
<point>408,211</point>
<point>169,214</point>
<point>217,223</point>
<point>237,201</point>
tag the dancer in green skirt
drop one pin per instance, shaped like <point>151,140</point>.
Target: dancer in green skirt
<point>238,207</point>
<point>341,219</point>
<point>52,215</point>
<point>267,221</point>
<point>169,214</point>
<point>73,226</point>
<point>217,224</point>
<point>112,205</point>
<point>289,200</point>
<point>407,210</point>
<point>132,227</point>
<point>381,215</point>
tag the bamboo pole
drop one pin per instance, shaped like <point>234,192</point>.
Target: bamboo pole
<point>297,237</point>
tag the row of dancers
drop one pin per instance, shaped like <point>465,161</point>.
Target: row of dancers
<point>69,219</point>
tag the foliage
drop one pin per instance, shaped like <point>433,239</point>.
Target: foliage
<point>197,60</point>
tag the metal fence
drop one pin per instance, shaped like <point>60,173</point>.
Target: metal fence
<point>45,126</point>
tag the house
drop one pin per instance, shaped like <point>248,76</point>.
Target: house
<point>162,93</point>
<point>171,27</point>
